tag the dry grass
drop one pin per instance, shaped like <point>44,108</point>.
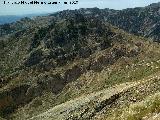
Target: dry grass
<point>140,110</point>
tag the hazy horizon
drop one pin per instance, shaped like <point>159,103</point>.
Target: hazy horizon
<point>9,9</point>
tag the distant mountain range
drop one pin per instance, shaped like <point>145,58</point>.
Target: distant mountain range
<point>13,18</point>
<point>9,19</point>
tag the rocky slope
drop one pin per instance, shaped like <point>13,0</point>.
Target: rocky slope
<point>139,21</point>
<point>143,21</point>
<point>74,65</point>
<point>98,104</point>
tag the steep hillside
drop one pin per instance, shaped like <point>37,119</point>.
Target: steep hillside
<point>140,21</point>
<point>73,65</point>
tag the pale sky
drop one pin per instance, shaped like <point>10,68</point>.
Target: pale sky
<point>9,9</point>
